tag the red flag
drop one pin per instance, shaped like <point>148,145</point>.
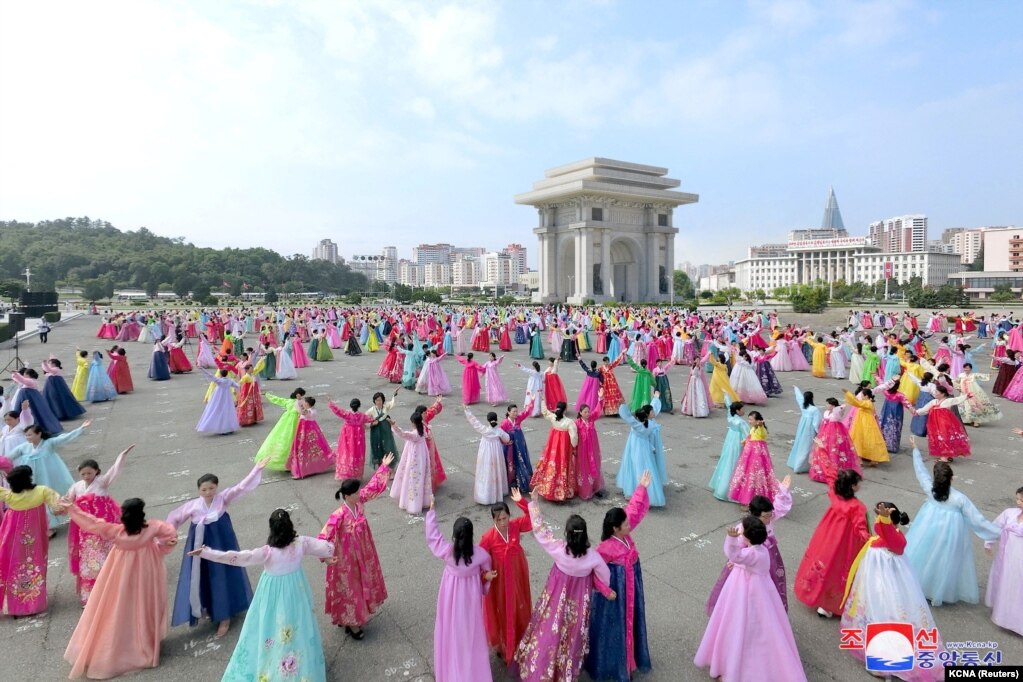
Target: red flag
<point>245,285</point>
<point>226,284</point>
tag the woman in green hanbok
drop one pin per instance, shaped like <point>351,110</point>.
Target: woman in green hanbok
<point>277,446</point>
<point>644,384</point>
<point>323,352</point>
<point>381,438</point>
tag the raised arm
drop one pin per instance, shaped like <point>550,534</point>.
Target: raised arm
<point>62,438</point>
<point>543,533</point>
<point>439,546</point>
<point>111,474</point>
<point>799,397</point>
<point>91,524</point>
<point>984,529</point>
<point>245,557</point>
<point>923,476</point>
<point>638,506</point>
<point>278,401</point>
<point>244,486</point>
<point>474,422</point>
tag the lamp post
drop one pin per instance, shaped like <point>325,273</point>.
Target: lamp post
<point>571,287</point>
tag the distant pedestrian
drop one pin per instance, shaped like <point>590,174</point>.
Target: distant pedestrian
<point>44,330</point>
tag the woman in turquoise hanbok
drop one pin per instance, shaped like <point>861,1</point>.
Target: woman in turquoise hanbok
<point>644,451</point>
<point>738,432</point>
<point>938,544</point>
<point>809,424</point>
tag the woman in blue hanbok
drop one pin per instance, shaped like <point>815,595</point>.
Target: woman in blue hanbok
<point>408,370</point>
<point>614,346</point>
<point>449,343</point>
<point>738,432</point>
<point>644,451</point>
<point>159,367</point>
<point>212,590</point>
<point>99,388</point>
<point>809,424</point>
<point>48,468</point>
<point>938,545</point>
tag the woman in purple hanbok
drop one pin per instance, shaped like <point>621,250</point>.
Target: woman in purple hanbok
<point>460,650</point>
<point>219,415</point>
<point>555,643</point>
<point>1005,585</point>
<point>749,627</point>
<point>768,512</point>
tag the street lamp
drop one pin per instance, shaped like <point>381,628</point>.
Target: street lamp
<point>571,286</point>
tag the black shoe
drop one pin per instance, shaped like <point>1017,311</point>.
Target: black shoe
<point>357,636</point>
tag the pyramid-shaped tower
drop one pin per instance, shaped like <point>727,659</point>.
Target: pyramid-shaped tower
<point>832,219</point>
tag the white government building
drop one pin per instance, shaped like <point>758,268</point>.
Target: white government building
<point>829,254</point>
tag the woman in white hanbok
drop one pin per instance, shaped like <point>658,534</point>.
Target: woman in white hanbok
<point>745,382</point>
<point>491,469</point>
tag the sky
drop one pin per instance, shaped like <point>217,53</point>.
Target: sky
<point>391,122</point>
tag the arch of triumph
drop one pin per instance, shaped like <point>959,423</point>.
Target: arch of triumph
<point>606,231</point>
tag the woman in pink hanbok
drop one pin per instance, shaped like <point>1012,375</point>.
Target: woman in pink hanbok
<point>412,477</point>
<point>87,551</point>
<point>555,643</point>
<point>355,583</point>
<point>832,446</point>
<point>299,358</point>
<point>696,400</point>
<point>350,455</point>
<point>496,392</point>
<point>470,379</point>
<point>460,650</point>
<point>204,355</point>
<point>590,478</point>
<point>589,393</point>
<point>24,548</point>
<point>745,382</point>
<point>749,628</point>
<point>310,452</point>
<point>754,472</point>
<point>796,357</point>
<point>432,379</point>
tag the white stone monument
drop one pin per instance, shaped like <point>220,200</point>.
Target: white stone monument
<point>606,231</point>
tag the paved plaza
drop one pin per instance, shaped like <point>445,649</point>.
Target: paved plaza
<point>680,545</point>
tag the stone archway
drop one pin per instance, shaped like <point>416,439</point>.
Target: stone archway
<point>624,270</point>
<point>565,283</point>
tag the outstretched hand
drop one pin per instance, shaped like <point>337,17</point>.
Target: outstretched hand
<point>516,495</point>
<point>388,459</point>
<point>645,479</point>
<point>196,552</point>
<point>732,531</point>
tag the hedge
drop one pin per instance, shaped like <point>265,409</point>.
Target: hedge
<point>52,317</point>
<point>6,332</point>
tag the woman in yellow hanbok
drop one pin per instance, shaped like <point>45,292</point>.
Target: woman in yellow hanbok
<point>820,356</point>
<point>865,432</point>
<point>81,375</point>
<point>719,385</point>
<point>908,387</point>
<point>372,342</point>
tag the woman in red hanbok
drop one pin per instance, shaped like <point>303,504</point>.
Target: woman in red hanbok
<point>553,389</point>
<point>310,452</point>
<point>481,338</point>
<point>250,403</point>
<point>946,437</point>
<point>118,371</point>
<point>611,394</point>
<point>470,379</point>
<point>355,583</point>
<point>437,473</point>
<point>821,579</point>
<point>555,473</point>
<point>505,345</point>
<point>179,363</point>
<point>351,442</point>
<point>508,605</point>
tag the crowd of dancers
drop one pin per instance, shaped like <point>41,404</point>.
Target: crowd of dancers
<point>591,612</point>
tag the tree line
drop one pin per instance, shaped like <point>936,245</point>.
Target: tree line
<point>97,257</point>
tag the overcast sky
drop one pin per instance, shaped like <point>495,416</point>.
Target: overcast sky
<point>389,122</point>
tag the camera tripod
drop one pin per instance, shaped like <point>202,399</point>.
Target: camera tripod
<point>15,362</point>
